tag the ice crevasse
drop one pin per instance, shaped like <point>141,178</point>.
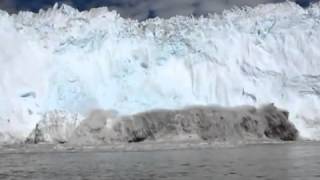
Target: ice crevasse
<point>65,60</point>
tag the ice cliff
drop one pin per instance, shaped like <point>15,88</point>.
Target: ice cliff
<point>63,60</point>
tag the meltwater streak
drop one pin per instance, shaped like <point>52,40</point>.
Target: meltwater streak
<point>62,59</point>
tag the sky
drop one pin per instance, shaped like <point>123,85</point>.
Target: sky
<point>142,9</point>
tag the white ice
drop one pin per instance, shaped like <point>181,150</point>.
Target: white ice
<point>62,59</point>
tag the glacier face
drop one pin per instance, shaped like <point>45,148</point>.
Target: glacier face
<point>62,59</point>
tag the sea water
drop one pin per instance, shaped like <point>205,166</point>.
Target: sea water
<point>287,161</point>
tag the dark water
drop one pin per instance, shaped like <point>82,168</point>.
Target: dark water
<point>299,161</point>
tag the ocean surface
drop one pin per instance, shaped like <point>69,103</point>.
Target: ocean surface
<point>300,161</point>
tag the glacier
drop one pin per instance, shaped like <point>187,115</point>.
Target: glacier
<point>63,60</point>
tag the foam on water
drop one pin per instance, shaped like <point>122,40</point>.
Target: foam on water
<point>62,59</point>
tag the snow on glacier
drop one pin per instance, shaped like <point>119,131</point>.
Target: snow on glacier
<point>63,59</point>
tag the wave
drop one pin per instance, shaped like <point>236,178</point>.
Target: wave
<point>236,125</point>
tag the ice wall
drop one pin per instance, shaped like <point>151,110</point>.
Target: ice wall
<point>62,59</point>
